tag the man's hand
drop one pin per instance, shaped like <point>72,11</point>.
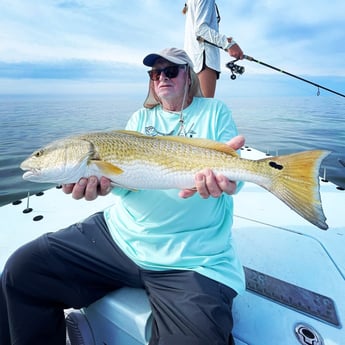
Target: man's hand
<point>89,188</point>
<point>208,184</point>
<point>236,52</point>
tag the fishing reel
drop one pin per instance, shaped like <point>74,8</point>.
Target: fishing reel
<point>234,69</point>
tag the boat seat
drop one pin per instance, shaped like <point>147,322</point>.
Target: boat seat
<point>123,317</point>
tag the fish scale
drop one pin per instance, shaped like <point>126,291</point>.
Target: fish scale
<point>135,161</point>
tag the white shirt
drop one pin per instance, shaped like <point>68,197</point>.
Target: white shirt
<point>202,21</point>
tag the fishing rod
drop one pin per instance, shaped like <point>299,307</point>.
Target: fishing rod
<point>250,58</point>
<point>236,69</point>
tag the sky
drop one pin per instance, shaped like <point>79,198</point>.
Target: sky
<point>97,46</point>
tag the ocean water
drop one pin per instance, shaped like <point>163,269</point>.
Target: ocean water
<point>273,125</point>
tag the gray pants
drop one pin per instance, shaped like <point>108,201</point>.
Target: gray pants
<point>76,266</point>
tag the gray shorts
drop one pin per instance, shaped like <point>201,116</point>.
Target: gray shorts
<point>76,266</point>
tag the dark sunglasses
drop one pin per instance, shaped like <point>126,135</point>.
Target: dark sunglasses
<point>170,72</point>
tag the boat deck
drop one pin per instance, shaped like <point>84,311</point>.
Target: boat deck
<point>295,272</point>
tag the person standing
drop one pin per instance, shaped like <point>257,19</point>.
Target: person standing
<point>202,41</point>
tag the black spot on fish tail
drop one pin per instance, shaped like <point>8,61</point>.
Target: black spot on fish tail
<point>276,165</point>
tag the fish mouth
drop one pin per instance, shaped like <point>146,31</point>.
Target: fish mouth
<point>30,174</point>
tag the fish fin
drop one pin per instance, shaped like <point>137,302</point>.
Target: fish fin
<point>135,133</point>
<point>199,142</point>
<point>296,182</point>
<point>203,143</point>
<point>107,168</point>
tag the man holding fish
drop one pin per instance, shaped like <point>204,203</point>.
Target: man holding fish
<point>174,243</point>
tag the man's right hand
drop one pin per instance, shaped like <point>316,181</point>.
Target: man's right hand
<point>236,52</point>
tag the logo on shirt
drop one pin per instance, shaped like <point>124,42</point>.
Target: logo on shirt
<point>153,132</point>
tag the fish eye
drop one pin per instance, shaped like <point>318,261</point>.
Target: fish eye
<point>38,153</point>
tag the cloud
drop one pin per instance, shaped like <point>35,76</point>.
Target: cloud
<point>114,30</point>
<point>86,39</point>
<point>290,34</point>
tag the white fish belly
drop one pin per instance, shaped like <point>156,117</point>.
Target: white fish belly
<point>143,176</point>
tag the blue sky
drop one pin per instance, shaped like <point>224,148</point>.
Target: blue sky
<point>96,46</point>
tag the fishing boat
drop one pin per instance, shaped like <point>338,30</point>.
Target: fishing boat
<point>295,272</point>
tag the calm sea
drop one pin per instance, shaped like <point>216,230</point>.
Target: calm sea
<point>273,125</point>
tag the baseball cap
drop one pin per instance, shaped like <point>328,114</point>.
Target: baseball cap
<point>174,55</point>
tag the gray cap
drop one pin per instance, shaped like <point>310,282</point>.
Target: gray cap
<point>174,55</point>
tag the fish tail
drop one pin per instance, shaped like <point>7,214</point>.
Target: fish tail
<point>296,182</point>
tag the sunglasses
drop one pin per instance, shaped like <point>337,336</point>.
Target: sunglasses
<point>170,72</point>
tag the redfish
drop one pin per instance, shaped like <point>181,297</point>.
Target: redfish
<point>135,161</point>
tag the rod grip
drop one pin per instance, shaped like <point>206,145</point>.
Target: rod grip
<point>247,57</point>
